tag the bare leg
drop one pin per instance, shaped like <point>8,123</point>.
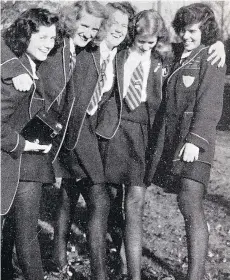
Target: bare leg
<point>134,203</point>
<point>99,204</point>
<point>191,206</point>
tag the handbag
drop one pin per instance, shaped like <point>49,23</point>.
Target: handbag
<point>43,127</point>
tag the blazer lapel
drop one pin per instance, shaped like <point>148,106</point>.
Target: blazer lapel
<point>37,98</point>
<point>120,61</point>
<point>96,59</point>
<point>154,87</point>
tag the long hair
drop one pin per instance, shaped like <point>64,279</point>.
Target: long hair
<point>17,35</point>
<point>198,13</point>
<point>149,22</point>
<point>124,7</point>
<point>70,14</point>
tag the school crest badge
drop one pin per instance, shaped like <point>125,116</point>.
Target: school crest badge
<point>188,80</point>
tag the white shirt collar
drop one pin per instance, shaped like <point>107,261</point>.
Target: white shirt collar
<point>105,51</point>
<point>140,57</point>
<point>71,46</point>
<point>184,56</point>
<point>33,67</point>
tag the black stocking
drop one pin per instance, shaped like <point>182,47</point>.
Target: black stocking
<point>191,206</point>
<point>99,204</point>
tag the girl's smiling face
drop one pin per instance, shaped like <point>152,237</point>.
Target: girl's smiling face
<point>87,28</point>
<point>118,29</point>
<point>42,42</point>
<point>144,43</point>
<point>191,36</point>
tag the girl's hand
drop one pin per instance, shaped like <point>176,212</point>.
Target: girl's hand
<point>36,147</point>
<point>22,82</point>
<point>189,152</point>
<point>217,52</point>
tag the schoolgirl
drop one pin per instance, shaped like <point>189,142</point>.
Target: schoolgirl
<point>81,22</point>
<point>194,92</point>
<point>26,165</point>
<point>139,84</point>
<point>81,153</point>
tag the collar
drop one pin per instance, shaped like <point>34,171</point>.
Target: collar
<point>138,56</point>
<point>185,54</point>
<point>105,51</point>
<point>71,46</point>
<point>33,67</point>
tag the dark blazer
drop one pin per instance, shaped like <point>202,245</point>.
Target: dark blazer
<point>54,71</point>
<point>17,108</point>
<point>84,81</point>
<point>58,86</point>
<point>194,100</point>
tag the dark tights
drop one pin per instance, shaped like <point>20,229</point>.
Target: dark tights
<point>20,226</point>
<point>69,195</point>
<point>99,205</point>
<point>134,204</point>
<point>191,206</point>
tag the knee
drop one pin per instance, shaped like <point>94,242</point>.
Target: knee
<point>99,200</point>
<point>135,201</point>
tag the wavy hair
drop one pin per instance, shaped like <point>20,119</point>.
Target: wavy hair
<point>70,14</point>
<point>17,35</point>
<point>124,7</point>
<point>149,22</point>
<point>198,13</point>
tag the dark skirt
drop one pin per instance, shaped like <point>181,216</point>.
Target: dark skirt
<point>196,171</point>
<point>125,154</point>
<point>169,172</point>
<point>36,167</point>
<point>85,160</point>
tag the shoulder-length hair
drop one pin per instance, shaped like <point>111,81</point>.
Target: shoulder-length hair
<point>17,35</point>
<point>70,14</point>
<point>150,22</point>
<point>124,7</point>
<point>198,13</point>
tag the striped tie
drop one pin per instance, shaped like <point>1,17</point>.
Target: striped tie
<point>96,98</point>
<point>72,62</point>
<point>133,96</point>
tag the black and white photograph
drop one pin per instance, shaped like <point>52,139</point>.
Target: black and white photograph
<point>115,140</point>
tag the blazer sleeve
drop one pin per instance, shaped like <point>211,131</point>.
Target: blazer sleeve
<point>208,107</point>
<point>10,64</point>
<point>55,71</point>
<point>11,141</point>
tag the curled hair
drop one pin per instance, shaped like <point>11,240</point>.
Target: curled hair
<point>198,13</point>
<point>150,23</point>
<point>124,7</point>
<point>72,13</point>
<point>17,35</point>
